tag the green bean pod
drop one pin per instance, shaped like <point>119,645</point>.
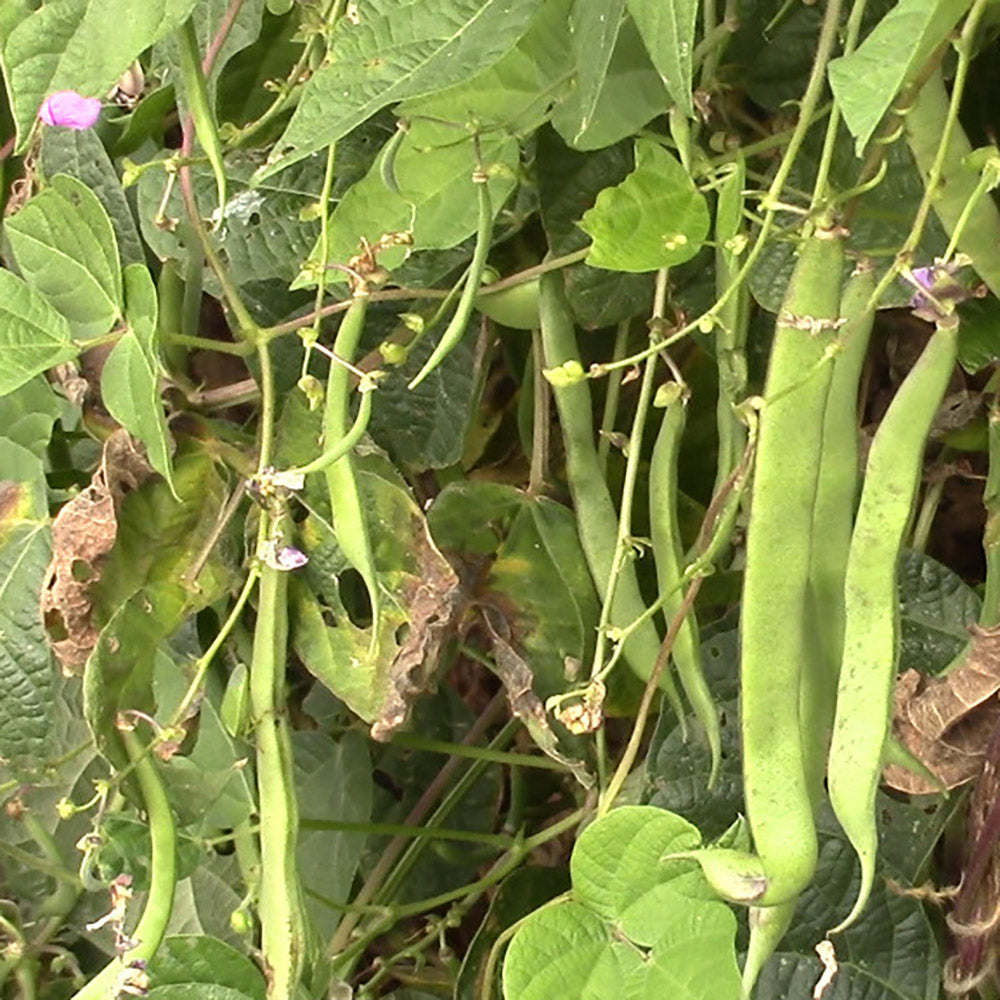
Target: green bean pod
<point>597,522</point>
<point>280,903</point>
<point>833,519</point>
<point>349,521</point>
<point>200,108</point>
<point>669,556</point>
<point>864,694</point>
<point>768,925</point>
<point>776,642</point>
<point>160,899</point>
<point>980,235</point>
<point>455,329</point>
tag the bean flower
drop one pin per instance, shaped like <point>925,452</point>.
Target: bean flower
<point>68,109</point>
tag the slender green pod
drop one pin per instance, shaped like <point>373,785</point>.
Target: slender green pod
<point>775,636</point>
<point>597,522</point>
<point>962,200</point>
<point>345,499</point>
<point>670,572</point>
<point>768,925</point>
<point>833,520</point>
<point>990,615</point>
<point>163,874</point>
<point>871,635</point>
<point>200,108</point>
<point>732,322</point>
<point>280,903</point>
<point>455,329</point>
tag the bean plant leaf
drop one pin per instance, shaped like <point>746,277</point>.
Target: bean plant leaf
<point>514,95</point>
<point>655,218</point>
<point>667,30</point>
<point>65,46</point>
<point>65,247</point>
<point>594,28</point>
<point>130,381</point>
<point>81,154</point>
<point>866,82</point>
<point>33,335</point>
<point>631,94</point>
<point>334,784</point>
<point>28,414</point>
<point>391,51</point>
<point>189,959</point>
<point>27,673</point>
<point>627,898</point>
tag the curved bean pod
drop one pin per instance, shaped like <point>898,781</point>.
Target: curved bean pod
<point>833,519</point>
<point>280,903</point>
<point>775,636</point>
<point>455,329</point>
<point>864,694</point>
<point>160,899</point>
<point>670,574</point>
<point>348,517</point>
<point>597,522</point>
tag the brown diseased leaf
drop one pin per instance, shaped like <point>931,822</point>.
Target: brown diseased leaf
<point>83,533</point>
<point>435,604</point>
<point>947,722</point>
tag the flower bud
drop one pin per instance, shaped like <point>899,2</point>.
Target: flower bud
<point>68,109</point>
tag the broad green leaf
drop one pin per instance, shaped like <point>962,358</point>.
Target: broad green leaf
<point>568,184</point>
<point>979,345</point>
<point>81,154</point>
<point>27,672</point>
<point>435,202</point>
<point>392,51</point>
<point>569,951</point>
<point>197,991</point>
<point>65,247</point>
<point>655,218</point>
<point>513,95</point>
<point>28,413</point>
<point>82,45</point>
<point>619,868</point>
<point>333,783</point>
<point>130,381</point>
<point>667,28</point>
<point>866,82</point>
<point>207,961</point>
<point>631,95</point>
<point>594,31</point>
<point>425,428</point>
<point>33,336</point>
<point>127,848</point>
<point>936,609</point>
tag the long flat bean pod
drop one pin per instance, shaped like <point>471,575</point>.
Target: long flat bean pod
<point>980,235</point>
<point>597,521</point>
<point>864,695</point>
<point>345,499</point>
<point>833,519</point>
<point>160,899</point>
<point>669,556</point>
<point>280,899</point>
<point>775,635</point>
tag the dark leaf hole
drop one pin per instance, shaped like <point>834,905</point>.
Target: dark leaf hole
<point>55,625</point>
<point>253,219</point>
<point>81,571</point>
<point>354,594</point>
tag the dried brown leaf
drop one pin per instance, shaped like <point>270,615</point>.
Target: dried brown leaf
<point>947,722</point>
<point>83,533</point>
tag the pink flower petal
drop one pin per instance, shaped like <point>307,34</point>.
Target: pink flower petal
<point>68,109</point>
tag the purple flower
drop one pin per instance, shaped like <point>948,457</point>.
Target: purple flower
<point>290,558</point>
<point>69,109</point>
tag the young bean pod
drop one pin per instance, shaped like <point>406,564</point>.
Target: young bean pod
<point>280,903</point>
<point>864,694</point>
<point>669,556</point>
<point>160,899</point>
<point>776,641</point>
<point>455,329</point>
<point>345,499</point>
<point>597,521</point>
<point>200,108</point>
<point>833,519</point>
